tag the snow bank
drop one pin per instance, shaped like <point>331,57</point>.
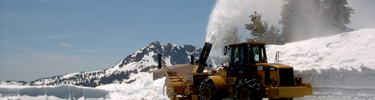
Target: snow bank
<point>50,92</point>
<point>342,66</point>
<point>143,88</point>
<point>347,50</point>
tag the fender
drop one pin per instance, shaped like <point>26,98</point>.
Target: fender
<point>219,82</point>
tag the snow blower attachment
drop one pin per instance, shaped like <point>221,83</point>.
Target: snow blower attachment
<point>203,57</point>
<point>248,76</point>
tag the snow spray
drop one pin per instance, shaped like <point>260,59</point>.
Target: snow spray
<point>227,14</point>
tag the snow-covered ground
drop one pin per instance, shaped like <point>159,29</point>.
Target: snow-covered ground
<point>144,88</point>
<point>340,67</point>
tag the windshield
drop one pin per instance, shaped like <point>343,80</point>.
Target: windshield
<point>257,53</point>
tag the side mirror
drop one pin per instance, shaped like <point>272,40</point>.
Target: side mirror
<point>225,50</point>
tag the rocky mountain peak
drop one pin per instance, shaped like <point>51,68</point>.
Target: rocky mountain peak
<point>171,52</point>
<point>155,43</point>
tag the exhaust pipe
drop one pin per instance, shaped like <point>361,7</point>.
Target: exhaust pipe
<point>192,59</point>
<point>159,61</point>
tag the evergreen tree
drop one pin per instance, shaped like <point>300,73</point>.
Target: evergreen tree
<point>299,19</point>
<point>288,16</point>
<point>258,27</point>
<point>336,13</point>
<point>304,19</point>
<point>259,30</point>
<point>273,36</point>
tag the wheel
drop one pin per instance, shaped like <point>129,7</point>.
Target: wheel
<point>207,90</point>
<point>248,89</point>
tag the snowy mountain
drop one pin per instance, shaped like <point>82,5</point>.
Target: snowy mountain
<point>141,61</point>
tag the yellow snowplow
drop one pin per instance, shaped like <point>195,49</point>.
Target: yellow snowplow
<point>247,76</point>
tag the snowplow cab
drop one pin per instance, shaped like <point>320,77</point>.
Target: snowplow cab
<point>243,55</point>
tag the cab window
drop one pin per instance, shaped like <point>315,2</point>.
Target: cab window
<point>257,53</point>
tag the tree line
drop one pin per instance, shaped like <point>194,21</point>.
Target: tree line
<point>301,19</point>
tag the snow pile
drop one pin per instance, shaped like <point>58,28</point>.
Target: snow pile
<point>347,50</point>
<point>340,66</point>
<point>13,92</point>
<point>142,88</point>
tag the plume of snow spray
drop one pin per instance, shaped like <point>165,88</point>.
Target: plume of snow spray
<point>235,13</point>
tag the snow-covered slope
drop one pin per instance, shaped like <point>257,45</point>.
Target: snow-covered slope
<point>340,67</point>
<point>349,50</point>
<point>141,61</point>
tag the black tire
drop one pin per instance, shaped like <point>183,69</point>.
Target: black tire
<point>283,99</point>
<point>248,89</point>
<point>207,90</point>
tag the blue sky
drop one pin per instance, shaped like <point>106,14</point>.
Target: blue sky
<point>43,38</point>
